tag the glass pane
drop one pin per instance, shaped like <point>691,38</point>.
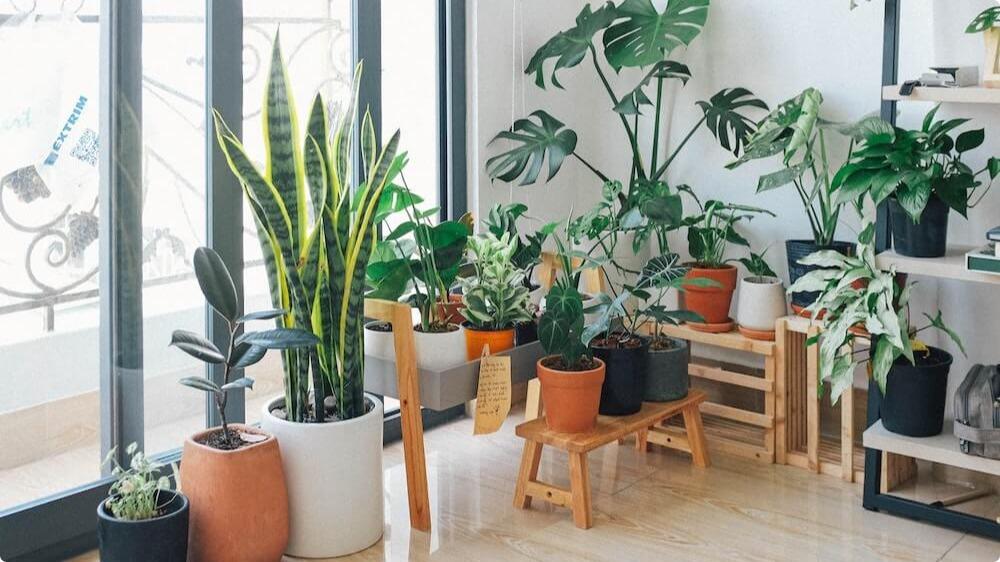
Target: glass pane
<point>173,214</point>
<point>49,314</point>
<point>316,42</point>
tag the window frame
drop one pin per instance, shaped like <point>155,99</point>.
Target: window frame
<point>63,524</point>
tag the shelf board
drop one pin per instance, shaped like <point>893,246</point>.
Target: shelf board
<point>974,94</point>
<point>951,266</point>
<point>941,449</point>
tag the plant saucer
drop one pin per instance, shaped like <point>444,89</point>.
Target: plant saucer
<point>761,335</point>
<point>713,328</point>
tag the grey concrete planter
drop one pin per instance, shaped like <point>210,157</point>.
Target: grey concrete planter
<point>667,378</point>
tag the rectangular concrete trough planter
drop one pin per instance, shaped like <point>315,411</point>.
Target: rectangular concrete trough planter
<point>440,390</point>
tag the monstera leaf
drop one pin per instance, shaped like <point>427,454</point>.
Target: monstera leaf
<point>723,117</point>
<point>570,47</point>
<point>532,142</point>
<point>985,20</point>
<point>647,36</point>
<point>632,101</point>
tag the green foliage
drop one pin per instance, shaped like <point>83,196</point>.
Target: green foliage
<point>723,117</point>
<point>244,349</point>
<point>533,142</point>
<point>135,493</point>
<point>643,36</point>
<point>757,265</point>
<point>503,219</point>
<point>316,231</point>
<point>914,165</point>
<point>853,292</point>
<point>712,231</point>
<point>496,297</point>
<point>986,19</point>
<point>561,327</point>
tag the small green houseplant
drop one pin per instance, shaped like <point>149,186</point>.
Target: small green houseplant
<point>986,23</point>
<point>921,174</point>
<point>141,509</point>
<point>495,297</point>
<point>862,301</point>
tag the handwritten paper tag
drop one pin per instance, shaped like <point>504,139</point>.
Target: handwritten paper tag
<point>493,396</point>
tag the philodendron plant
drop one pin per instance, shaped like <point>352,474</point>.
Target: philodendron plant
<point>316,231</point>
<point>862,300</point>
<point>495,297</point>
<point>630,34</point>
<point>561,328</point>
<point>713,229</point>
<point>244,349</point>
<point>503,219</point>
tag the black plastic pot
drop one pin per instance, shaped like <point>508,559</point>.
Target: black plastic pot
<point>926,238</point>
<point>625,378</point>
<point>667,378</point>
<point>162,539</point>
<point>915,395</point>
<point>798,249</point>
<point>525,332</point>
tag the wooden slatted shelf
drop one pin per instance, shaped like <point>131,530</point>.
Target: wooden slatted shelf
<point>974,94</point>
<point>724,436</point>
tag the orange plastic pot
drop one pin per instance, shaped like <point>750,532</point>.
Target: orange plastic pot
<point>451,311</point>
<point>712,303</point>
<point>239,503</point>
<point>571,398</point>
<point>476,340</point>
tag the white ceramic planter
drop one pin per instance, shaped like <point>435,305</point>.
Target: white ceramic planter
<point>440,351</point>
<point>379,344</point>
<point>334,477</point>
<point>760,303</point>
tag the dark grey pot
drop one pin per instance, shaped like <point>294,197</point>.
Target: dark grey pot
<point>162,539</point>
<point>667,378</point>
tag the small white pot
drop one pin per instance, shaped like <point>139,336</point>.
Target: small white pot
<point>379,344</point>
<point>440,351</point>
<point>334,477</point>
<point>761,302</point>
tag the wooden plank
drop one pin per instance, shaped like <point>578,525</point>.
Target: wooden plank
<point>972,94</point>
<point>696,437</point>
<point>414,457</point>
<point>730,340</point>
<point>896,471</point>
<point>943,448</point>
<point>609,428</point>
<point>531,456</point>
<point>812,402</point>
<point>670,437</point>
<point>847,435</point>
<point>780,394</point>
<point>951,266</point>
<point>533,403</point>
<point>674,437</point>
<point>719,374</point>
<point>736,414</point>
<point>579,478</point>
<point>552,494</point>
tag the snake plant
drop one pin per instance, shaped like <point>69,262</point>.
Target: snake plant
<point>316,230</point>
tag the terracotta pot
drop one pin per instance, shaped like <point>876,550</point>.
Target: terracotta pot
<point>761,302</point>
<point>239,503</point>
<point>712,303</point>
<point>451,311</point>
<point>571,398</point>
<point>498,340</point>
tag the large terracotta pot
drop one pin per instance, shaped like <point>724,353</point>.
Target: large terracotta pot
<point>571,398</point>
<point>712,303</point>
<point>476,340</point>
<point>334,475</point>
<point>239,503</point>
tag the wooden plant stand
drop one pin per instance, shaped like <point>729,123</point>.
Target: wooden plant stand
<point>609,429</point>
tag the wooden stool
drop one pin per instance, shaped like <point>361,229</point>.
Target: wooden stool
<point>609,429</point>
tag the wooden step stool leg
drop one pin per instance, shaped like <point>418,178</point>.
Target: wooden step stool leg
<point>642,440</point>
<point>579,479</point>
<point>530,459</point>
<point>696,436</point>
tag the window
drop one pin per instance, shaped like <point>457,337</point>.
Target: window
<point>107,185</point>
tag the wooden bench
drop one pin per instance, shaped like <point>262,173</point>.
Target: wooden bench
<point>609,429</point>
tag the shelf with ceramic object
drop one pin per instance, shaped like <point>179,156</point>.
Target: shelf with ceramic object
<point>973,94</point>
<point>950,266</point>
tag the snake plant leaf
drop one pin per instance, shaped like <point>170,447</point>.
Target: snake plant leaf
<point>646,36</point>
<point>317,155</point>
<point>722,116</point>
<point>986,19</point>
<point>215,282</point>
<point>242,382</point>
<point>201,383</point>
<point>571,46</point>
<point>533,142</point>
<point>196,346</point>
<point>245,355</point>
<point>262,315</point>
<point>279,338</point>
<point>632,102</point>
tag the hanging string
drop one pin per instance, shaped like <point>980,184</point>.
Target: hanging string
<point>513,80</point>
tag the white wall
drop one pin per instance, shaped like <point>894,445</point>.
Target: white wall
<point>775,48</point>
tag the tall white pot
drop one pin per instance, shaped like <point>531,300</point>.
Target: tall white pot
<point>760,303</point>
<point>334,477</point>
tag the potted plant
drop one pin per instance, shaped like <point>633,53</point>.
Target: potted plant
<point>495,298</point>
<point>912,377</point>
<point>142,518</point>
<point>571,378</point>
<point>761,300</point>
<point>709,235</point>
<point>986,23</point>
<point>418,262</point>
<point>796,131</point>
<point>222,463</point>
<point>316,226</point>
<point>921,175</point>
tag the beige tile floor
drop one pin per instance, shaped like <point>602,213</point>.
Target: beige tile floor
<point>646,507</point>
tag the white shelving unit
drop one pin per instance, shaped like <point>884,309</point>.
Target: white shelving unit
<point>941,448</point>
<point>976,94</point>
<point>951,266</point>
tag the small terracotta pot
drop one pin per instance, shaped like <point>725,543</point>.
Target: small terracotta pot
<point>712,303</point>
<point>451,311</point>
<point>239,503</point>
<point>498,340</point>
<point>571,398</point>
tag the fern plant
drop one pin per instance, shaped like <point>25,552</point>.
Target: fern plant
<point>316,230</point>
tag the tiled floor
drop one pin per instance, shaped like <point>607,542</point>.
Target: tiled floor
<point>647,507</point>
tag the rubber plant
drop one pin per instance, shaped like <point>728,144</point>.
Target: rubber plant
<point>316,228</point>
<point>862,301</point>
<point>630,34</point>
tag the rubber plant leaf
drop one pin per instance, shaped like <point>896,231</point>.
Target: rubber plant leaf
<point>646,36</point>
<point>215,282</point>
<point>535,138</point>
<point>196,346</point>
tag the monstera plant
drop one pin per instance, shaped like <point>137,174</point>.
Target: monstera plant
<point>631,34</point>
